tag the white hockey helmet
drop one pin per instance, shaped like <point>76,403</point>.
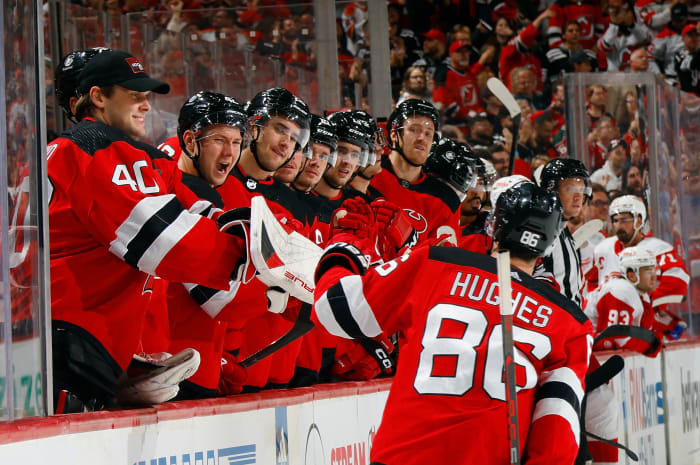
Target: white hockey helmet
<point>634,258</point>
<point>628,204</point>
<point>503,184</point>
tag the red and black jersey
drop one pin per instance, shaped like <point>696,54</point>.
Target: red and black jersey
<point>171,147</point>
<point>518,53</point>
<point>587,13</point>
<point>118,214</point>
<point>458,97</point>
<point>430,203</point>
<point>447,400</point>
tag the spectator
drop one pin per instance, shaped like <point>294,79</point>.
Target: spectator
<point>639,62</point>
<point>669,41</point>
<point>610,175</point>
<point>415,85</point>
<point>579,62</point>
<point>655,14</point>
<point>633,180</point>
<point>587,13</point>
<point>453,132</point>
<point>687,61</point>
<point>520,52</point>
<point>541,143</point>
<point>459,95</point>
<point>434,59</point>
<point>597,103</point>
<point>559,58</point>
<point>598,206</point>
<point>480,131</point>
<point>622,35</point>
<point>500,158</point>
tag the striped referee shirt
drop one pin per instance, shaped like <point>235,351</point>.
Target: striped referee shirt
<point>562,267</point>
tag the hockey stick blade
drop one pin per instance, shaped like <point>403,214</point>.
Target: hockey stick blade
<point>605,372</point>
<point>586,231</point>
<point>502,93</point>
<point>506,309</point>
<point>302,326</point>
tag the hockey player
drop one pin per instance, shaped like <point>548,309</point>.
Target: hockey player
<point>628,215</point>
<point>432,206</point>
<point>561,265</point>
<point>279,127</point>
<point>324,142</point>
<point>66,79</point>
<point>377,144</point>
<point>211,129</point>
<point>119,217</point>
<point>620,301</point>
<point>451,353</point>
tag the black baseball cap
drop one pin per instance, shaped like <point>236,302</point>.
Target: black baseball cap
<point>120,68</point>
<point>679,12</point>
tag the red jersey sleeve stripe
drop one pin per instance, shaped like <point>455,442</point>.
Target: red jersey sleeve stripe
<point>560,394</point>
<point>344,311</point>
<point>212,301</point>
<point>153,227</point>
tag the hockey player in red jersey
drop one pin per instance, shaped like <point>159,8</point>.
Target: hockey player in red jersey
<point>432,206</point>
<point>279,127</point>
<point>628,215</point>
<point>324,141</point>
<point>119,216</point>
<point>211,130</point>
<point>449,385</point>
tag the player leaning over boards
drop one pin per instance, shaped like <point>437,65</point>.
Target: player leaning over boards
<point>431,205</point>
<point>118,216</point>
<point>628,215</point>
<point>449,386</point>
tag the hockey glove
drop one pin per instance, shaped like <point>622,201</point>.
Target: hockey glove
<point>237,222</point>
<point>353,243</point>
<point>155,378</point>
<point>394,229</point>
<point>669,323</point>
<point>277,299</point>
<point>366,360</point>
<point>232,376</point>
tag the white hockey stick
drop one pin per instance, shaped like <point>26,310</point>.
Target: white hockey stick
<point>506,306</point>
<point>588,229</point>
<point>286,260</point>
<point>502,93</point>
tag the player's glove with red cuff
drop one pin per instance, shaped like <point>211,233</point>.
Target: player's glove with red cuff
<point>368,358</point>
<point>232,376</point>
<point>237,223</point>
<point>394,229</point>
<point>353,239</point>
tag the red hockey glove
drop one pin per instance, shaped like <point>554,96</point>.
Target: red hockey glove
<point>670,324</point>
<point>368,358</point>
<point>394,229</point>
<point>232,376</point>
<point>353,242</point>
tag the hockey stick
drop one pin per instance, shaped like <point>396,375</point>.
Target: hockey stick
<point>502,93</point>
<point>302,326</point>
<point>506,306</point>
<point>604,373</point>
<point>586,231</point>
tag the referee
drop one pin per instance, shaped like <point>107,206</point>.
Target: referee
<point>561,264</point>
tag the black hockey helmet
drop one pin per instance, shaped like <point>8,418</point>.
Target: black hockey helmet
<point>324,132</point>
<point>412,107</point>
<point>205,109</point>
<point>278,101</point>
<point>66,77</point>
<point>376,140</point>
<point>354,129</point>
<point>526,218</point>
<point>454,163</point>
<point>563,168</point>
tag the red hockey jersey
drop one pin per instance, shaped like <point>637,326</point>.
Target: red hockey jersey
<point>119,214</point>
<point>451,362</point>
<point>430,203</point>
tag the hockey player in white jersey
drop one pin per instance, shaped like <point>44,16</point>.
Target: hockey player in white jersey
<point>561,264</point>
<point>628,215</point>
<point>620,301</point>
